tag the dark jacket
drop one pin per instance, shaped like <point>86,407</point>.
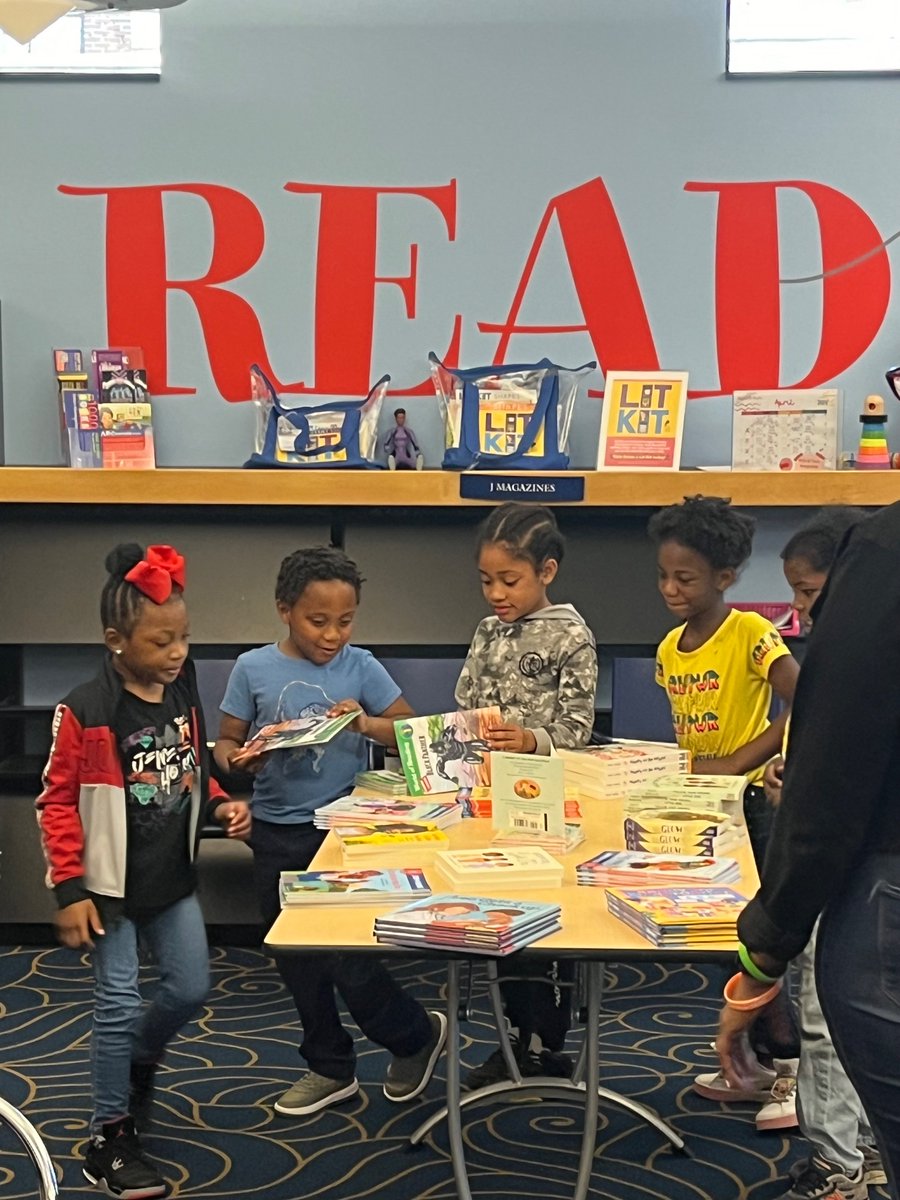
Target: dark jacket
<point>841,798</point>
<point>81,810</point>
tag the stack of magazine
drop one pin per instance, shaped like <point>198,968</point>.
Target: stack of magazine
<point>638,868</point>
<point>686,814</point>
<point>394,885</point>
<point>496,867</point>
<point>602,772</point>
<point>679,917</point>
<point>365,842</point>
<point>383,783</point>
<point>473,924</point>
<point>350,810</point>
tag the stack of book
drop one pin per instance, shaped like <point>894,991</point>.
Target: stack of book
<point>601,772</point>
<point>530,867</point>
<point>365,842</point>
<point>478,802</point>
<point>637,868</point>
<point>557,843</point>
<point>392,886</point>
<point>678,917</point>
<point>718,793</point>
<point>660,830</point>
<point>472,924</point>
<point>383,783</point>
<point>350,810</point>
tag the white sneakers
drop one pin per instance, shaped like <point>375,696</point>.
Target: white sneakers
<point>775,1089</point>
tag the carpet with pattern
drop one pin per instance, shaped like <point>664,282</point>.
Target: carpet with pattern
<point>216,1135</point>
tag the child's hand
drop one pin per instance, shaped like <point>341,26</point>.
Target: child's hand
<point>76,922</point>
<point>773,778</point>
<point>360,725</point>
<point>512,739</point>
<point>234,817</point>
<point>250,764</point>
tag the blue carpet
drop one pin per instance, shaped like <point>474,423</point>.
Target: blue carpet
<point>217,1136</point>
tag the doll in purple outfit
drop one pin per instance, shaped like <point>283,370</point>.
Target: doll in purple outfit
<point>402,446</point>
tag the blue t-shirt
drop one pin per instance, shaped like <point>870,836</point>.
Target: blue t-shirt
<point>268,686</point>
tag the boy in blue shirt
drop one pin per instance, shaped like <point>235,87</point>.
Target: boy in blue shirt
<point>314,669</point>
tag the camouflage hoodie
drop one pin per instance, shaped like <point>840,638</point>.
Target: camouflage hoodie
<point>541,671</point>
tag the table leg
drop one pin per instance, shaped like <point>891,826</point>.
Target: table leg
<point>454,1111</point>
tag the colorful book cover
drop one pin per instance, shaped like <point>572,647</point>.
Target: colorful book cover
<point>326,431</point>
<point>503,418</point>
<point>642,421</point>
<point>399,833</point>
<point>528,795</point>
<point>638,867</point>
<point>476,913</point>
<point>366,885</point>
<point>446,751</point>
<point>126,436</point>
<point>349,810</point>
<point>81,428</point>
<point>313,730</point>
<point>494,861</point>
<point>681,906</point>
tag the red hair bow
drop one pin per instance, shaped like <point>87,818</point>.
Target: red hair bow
<point>157,573</point>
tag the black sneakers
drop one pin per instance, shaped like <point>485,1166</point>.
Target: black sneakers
<point>115,1163</point>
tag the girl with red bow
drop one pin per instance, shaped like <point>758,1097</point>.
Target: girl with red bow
<point>126,791</point>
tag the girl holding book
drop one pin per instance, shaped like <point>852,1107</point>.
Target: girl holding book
<point>536,661</point>
<point>720,668</point>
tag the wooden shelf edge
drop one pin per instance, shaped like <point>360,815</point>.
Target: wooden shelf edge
<point>428,489</point>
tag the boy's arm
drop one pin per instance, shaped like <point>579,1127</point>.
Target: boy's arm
<point>381,728</point>
<point>232,735</point>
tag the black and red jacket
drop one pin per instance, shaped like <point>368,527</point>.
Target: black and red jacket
<point>82,810</point>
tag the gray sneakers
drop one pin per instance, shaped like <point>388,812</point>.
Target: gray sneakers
<point>314,1092</point>
<point>408,1077</point>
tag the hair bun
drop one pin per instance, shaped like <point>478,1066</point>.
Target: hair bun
<point>122,558</point>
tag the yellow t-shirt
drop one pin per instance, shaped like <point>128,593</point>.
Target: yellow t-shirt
<point>719,693</point>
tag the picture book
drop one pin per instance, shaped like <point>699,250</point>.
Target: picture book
<point>722,793</point>
<point>350,810</point>
<point>446,751</point>
<point>678,915</point>
<point>394,885</point>
<point>120,374</point>
<point>477,802</point>
<point>326,432</point>
<point>388,783</point>
<point>372,839</point>
<point>528,795</point>
<point>638,868</point>
<point>527,867</point>
<point>313,730</point>
<point>503,418</point>
<point>570,839</point>
<point>468,923</point>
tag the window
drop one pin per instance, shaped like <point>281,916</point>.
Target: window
<point>113,44</point>
<point>813,36</point>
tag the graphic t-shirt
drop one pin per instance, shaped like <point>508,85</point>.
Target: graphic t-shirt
<point>268,686</point>
<point>719,693</point>
<point>158,761</point>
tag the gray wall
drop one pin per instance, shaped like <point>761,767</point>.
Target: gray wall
<point>518,101</point>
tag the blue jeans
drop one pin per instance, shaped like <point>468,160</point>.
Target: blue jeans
<point>123,1032</point>
<point>858,975</point>
<point>830,1113</point>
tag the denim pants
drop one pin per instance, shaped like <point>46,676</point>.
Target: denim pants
<point>858,975</point>
<point>830,1112</point>
<point>123,1030</point>
<point>378,1004</point>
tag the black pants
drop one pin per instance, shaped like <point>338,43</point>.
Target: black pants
<point>378,1004</point>
<point>858,979</point>
<point>534,1007</point>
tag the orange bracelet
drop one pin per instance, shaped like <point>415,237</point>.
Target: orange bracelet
<point>756,1002</point>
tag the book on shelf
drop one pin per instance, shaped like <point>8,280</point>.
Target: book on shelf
<point>313,730</point>
<point>679,916</point>
<point>372,839</point>
<point>639,868</point>
<point>125,413</point>
<point>384,782</point>
<point>495,867</point>
<point>616,769</point>
<point>80,426</point>
<point>472,924</point>
<point>391,885</point>
<point>350,810</point>
<point>446,751</point>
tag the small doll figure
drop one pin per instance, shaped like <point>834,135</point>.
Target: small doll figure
<point>402,447</point>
